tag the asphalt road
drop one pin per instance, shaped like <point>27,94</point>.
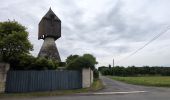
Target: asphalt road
<point>115,90</point>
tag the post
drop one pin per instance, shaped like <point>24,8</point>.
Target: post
<point>87,77</point>
<point>113,62</point>
<point>4,67</point>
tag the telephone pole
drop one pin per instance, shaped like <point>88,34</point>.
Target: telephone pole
<point>113,62</point>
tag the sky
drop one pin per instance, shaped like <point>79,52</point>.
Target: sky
<point>108,29</point>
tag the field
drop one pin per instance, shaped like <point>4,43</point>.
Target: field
<point>160,81</point>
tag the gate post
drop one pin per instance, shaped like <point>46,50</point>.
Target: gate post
<point>4,67</point>
<point>87,77</point>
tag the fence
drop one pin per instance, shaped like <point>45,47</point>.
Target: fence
<point>29,81</point>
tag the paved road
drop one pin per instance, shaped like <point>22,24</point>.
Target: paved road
<point>115,87</point>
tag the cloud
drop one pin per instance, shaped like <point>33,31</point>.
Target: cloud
<point>106,28</point>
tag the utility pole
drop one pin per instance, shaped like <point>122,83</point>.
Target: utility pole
<point>113,62</point>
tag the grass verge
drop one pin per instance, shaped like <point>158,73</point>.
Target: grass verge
<point>159,81</point>
<point>2,86</point>
<point>97,85</point>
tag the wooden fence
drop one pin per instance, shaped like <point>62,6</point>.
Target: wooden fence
<point>30,81</point>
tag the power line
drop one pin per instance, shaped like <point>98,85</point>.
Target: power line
<point>154,38</point>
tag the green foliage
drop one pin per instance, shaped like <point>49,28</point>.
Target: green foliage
<point>90,61</point>
<point>163,81</point>
<point>62,64</point>
<point>13,41</point>
<point>23,62</point>
<point>71,58</point>
<point>135,71</point>
<point>28,62</point>
<point>45,64</point>
<point>96,74</point>
<point>110,66</point>
<point>76,62</point>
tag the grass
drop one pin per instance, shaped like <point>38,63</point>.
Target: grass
<point>97,85</point>
<point>159,81</point>
<point>1,86</point>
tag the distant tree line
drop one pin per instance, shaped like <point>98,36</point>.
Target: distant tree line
<point>134,71</point>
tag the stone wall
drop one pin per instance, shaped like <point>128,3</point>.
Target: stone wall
<point>4,67</point>
<point>87,77</point>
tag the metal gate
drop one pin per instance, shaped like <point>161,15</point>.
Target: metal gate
<point>29,81</point>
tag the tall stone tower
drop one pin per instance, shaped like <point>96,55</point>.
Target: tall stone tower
<point>49,31</point>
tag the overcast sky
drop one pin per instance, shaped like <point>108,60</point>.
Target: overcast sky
<point>105,28</point>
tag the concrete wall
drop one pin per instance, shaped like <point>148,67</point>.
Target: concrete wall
<point>49,49</point>
<point>87,77</point>
<point>4,67</point>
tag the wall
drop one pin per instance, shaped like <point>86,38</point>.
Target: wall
<point>87,77</point>
<point>4,67</point>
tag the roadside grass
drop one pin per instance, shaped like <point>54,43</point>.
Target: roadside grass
<point>2,86</point>
<point>159,81</point>
<point>97,85</point>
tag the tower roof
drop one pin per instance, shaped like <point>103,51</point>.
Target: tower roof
<point>51,13</point>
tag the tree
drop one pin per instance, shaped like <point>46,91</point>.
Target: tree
<point>13,41</point>
<point>91,60</point>
<point>24,62</point>
<point>110,67</point>
<point>78,62</point>
<point>42,63</point>
<point>71,58</point>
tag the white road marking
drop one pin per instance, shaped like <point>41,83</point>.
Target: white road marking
<point>103,93</point>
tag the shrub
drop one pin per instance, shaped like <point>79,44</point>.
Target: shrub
<point>95,73</point>
<point>76,62</point>
<point>42,63</point>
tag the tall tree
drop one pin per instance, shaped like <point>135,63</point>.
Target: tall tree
<point>13,41</point>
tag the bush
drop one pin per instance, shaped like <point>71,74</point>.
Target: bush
<point>22,62</point>
<point>62,64</point>
<point>76,62</point>
<point>96,74</point>
<point>42,63</point>
<point>28,62</point>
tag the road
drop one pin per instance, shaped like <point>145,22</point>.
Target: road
<point>115,90</point>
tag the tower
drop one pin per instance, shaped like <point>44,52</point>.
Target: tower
<point>49,31</point>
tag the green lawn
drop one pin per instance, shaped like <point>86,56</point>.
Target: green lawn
<point>160,81</point>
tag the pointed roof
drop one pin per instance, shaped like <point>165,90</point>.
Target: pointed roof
<point>49,13</point>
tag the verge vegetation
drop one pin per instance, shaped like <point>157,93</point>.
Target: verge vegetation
<point>160,81</point>
<point>135,71</point>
